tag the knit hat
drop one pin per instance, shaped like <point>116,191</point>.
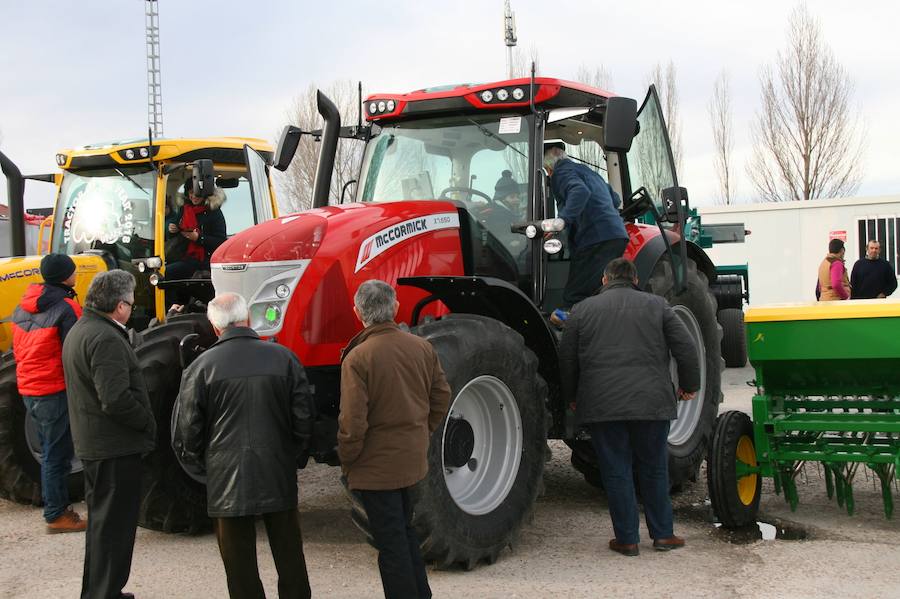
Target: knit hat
<point>56,268</point>
<point>505,186</point>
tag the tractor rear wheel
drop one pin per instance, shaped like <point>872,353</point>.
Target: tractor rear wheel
<point>734,337</point>
<point>20,448</point>
<point>691,431</point>
<point>172,501</point>
<point>733,491</point>
<point>486,459</point>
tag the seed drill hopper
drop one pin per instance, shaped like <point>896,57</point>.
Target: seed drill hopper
<point>828,391</point>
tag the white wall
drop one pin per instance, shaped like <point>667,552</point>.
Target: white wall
<point>788,241</point>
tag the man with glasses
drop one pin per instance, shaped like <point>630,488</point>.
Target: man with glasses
<point>112,426</point>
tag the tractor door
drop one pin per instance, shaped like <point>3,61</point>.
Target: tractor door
<point>258,173</point>
<point>650,161</point>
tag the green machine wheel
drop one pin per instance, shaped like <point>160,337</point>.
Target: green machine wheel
<point>732,471</point>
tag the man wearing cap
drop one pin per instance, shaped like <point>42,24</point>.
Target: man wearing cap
<point>596,233</point>
<point>40,323</point>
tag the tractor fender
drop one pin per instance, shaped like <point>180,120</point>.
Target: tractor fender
<point>650,253</point>
<point>500,300</point>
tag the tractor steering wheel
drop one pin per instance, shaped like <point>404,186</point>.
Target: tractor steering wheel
<point>468,190</point>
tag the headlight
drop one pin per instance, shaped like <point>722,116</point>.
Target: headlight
<point>487,95</point>
<point>272,315</point>
<point>154,262</point>
<point>391,105</point>
<point>502,95</point>
<point>553,225</point>
<point>282,291</point>
<point>518,94</point>
<point>154,279</point>
<point>373,107</point>
<point>129,154</point>
<point>531,231</point>
<point>552,246</point>
<point>381,106</point>
<point>142,267</point>
<point>144,152</point>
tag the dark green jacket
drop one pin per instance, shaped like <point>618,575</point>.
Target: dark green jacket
<point>109,409</point>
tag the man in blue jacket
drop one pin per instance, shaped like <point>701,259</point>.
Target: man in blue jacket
<point>596,233</point>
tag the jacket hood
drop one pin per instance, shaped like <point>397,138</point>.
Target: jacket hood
<point>40,297</point>
<point>214,202</point>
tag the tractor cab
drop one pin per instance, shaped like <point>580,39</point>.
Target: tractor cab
<point>115,202</point>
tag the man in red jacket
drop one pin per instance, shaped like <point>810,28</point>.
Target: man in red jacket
<point>40,324</point>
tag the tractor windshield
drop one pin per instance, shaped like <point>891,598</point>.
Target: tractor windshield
<point>108,209</point>
<point>450,158</point>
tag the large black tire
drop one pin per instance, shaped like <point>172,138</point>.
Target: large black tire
<point>734,337</point>
<point>172,501</point>
<point>20,471</point>
<point>735,501</point>
<point>478,354</point>
<point>689,437</point>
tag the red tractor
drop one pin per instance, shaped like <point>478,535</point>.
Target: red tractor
<point>474,278</point>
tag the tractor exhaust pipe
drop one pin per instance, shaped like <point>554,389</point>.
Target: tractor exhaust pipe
<point>325,166</point>
<point>15,185</point>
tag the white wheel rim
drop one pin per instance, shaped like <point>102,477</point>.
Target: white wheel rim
<point>689,412</point>
<point>488,406</point>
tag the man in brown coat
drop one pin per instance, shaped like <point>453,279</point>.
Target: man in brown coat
<point>393,397</point>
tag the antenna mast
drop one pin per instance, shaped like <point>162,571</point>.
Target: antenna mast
<point>154,84</point>
<point>509,36</point>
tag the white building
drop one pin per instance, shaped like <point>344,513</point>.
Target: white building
<point>788,240</point>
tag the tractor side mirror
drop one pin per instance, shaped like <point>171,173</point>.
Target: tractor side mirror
<point>287,146</point>
<point>620,124</point>
<point>204,177</point>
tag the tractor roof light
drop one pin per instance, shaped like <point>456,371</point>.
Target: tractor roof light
<point>531,231</point>
<point>487,95</point>
<point>502,94</point>
<point>391,105</point>
<point>381,106</point>
<point>373,107</point>
<point>553,225</point>
<point>129,154</point>
<point>518,94</point>
<point>60,159</point>
<point>144,152</point>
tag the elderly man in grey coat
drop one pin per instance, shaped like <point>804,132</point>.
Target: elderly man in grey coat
<point>112,426</point>
<point>614,363</point>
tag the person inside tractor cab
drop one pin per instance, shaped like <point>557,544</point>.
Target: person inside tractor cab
<point>506,208</point>
<point>193,234</point>
<point>596,232</point>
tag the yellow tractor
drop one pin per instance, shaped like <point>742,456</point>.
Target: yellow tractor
<point>110,212</point>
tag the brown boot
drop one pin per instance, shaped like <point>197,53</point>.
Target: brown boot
<point>69,521</point>
<point>623,548</point>
<point>669,544</point>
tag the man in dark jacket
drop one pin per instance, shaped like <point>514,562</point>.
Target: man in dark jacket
<point>112,426</point>
<point>596,233</point>
<point>614,364</point>
<point>872,277</point>
<point>393,397</point>
<point>243,420</point>
<point>40,324</point>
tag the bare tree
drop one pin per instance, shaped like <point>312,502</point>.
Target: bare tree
<point>808,142</point>
<point>296,183</point>
<point>664,78</point>
<point>720,118</point>
<point>595,76</point>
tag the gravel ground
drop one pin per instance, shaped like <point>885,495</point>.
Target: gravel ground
<point>562,552</point>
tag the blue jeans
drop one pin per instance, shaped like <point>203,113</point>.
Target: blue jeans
<point>625,449</point>
<point>51,417</point>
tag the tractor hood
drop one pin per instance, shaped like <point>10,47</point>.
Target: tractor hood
<point>364,230</point>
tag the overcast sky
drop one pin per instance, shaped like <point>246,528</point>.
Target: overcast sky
<point>74,72</point>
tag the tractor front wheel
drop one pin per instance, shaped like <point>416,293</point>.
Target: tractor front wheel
<point>486,459</point>
<point>172,501</point>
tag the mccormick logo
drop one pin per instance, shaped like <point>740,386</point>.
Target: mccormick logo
<point>19,274</point>
<point>234,267</point>
<point>391,236</point>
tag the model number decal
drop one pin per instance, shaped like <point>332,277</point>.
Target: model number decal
<point>391,236</point>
